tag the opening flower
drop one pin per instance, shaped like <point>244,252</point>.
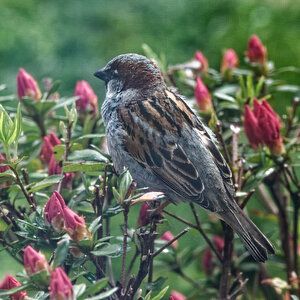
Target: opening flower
<point>75,225</point>
<point>203,60</point>
<point>47,148</point>
<point>60,286</point>
<point>35,262</point>
<point>256,52</point>
<point>176,296</point>
<point>11,282</point>
<point>27,86</point>
<point>203,98</point>
<point>230,61</point>
<point>87,98</point>
<point>53,212</point>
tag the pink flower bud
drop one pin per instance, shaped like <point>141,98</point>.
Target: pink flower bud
<point>207,261</point>
<point>230,61</point>
<point>204,62</point>
<point>55,169</point>
<point>60,286</point>
<point>27,86</point>
<point>53,212</point>
<point>143,219</point>
<point>256,52</point>
<point>3,168</point>
<point>203,97</point>
<point>87,98</point>
<point>251,128</point>
<point>176,296</point>
<point>49,142</point>
<point>35,262</point>
<point>168,236</point>
<point>269,128</point>
<point>11,282</point>
<point>75,225</point>
<point>219,242</point>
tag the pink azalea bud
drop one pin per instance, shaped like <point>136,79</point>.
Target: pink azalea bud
<point>143,219</point>
<point>256,52</point>
<point>75,225</point>
<point>168,236</point>
<point>35,262</point>
<point>219,242</point>
<point>60,286</point>
<point>230,61</point>
<point>55,169</point>
<point>176,296</point>
<point>53,212</point>
<point>87,98</point>
<point>47,148</point>
<point>203,60</point>
<point>3,168</point>
<point>11,282</point>
<point>251,128</point>
<point>203,97</point>
<point>27,86</point>
<point>207,261</point>
<point>269,128</point>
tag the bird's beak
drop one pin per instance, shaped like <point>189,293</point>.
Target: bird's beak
<point>102,74</point>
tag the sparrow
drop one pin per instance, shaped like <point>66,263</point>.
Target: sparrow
<point>166,147</point>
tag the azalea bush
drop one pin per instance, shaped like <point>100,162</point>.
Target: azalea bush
<point>81,231</point>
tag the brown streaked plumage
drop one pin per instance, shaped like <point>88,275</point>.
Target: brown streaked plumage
<point>152,131</point>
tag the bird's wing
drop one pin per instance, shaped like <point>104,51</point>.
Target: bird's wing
<point>152,131</point>
<point>154,126</point>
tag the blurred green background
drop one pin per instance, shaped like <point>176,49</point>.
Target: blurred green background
<point>69,40</point>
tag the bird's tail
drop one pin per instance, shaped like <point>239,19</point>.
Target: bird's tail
<point>253,239</point>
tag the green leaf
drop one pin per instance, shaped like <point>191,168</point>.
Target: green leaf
<point>84,167</point>
<point>61,253</point>
<point>5,125</point>
<point>79,290</point>
<point>107,250</point>
<point>259,86</point>
<point>16,129</point>
<point>3,225</point>
<point>161,294</point>
<point>94,288</point>
<point>224,97</point>
<point>14,290</point>
<point>95,225</point>
<point>249,84</point>
<point>90,136</point>
<point>53,179</point>
<point>87,155</point>
<point>62,102</point>
<point>104,295</point>
<point>126,180</point>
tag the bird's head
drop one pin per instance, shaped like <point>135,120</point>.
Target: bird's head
<point>130,71</point>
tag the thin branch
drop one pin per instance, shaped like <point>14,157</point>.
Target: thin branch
<point>199,228</point>
<point>221,140</point>
<point>248,196</point>
<point>171,242</point>
<point>125,234</point>
<point>226,266</point>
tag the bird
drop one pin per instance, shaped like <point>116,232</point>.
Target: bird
<point>152,132</point>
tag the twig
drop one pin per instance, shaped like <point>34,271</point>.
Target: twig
<point>30,201</point>
<point>125,234</point>
<point>199,228</point>
<point>26,180</point>
<point>170,242</point>
<point>226,266</point>
<point>150,272</point>
<point>67,150</point>
<point>248,196</point>
<point>136,254</point>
